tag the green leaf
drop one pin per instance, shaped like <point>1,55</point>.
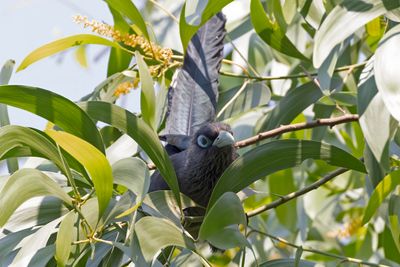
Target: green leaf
<point>15,191</point>
<point>147,96</point>
<point>55,108</point>
<point>275,156</point>
<point>394,222</point>
<point>5,75</point>
<point>382,190</point>
<point>128,10</point>
<point>290,106</point>
<point>140,132</point>
<point>92,159</point>
<point>386,63</point>
<point>194,14</point>
<point>217,225</point>
<point>6,71</point>
<point>270,31</point>
<point>133,174</point>
<point>345,19</point>
<point>155,234</point>
<point>119,59</point>
<point>287,263</point>
<point>61,45</point>
<point>65,237</point>
<point>162,204</point>
<point>33,245</point>
<point>282,183</point>
<point>14,137</point>
<point>375,119</point>
<point>243,98</point>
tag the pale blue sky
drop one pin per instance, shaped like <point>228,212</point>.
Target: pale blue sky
<point>28,24</point>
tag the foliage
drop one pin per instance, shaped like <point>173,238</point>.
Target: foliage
<point>283,202</point>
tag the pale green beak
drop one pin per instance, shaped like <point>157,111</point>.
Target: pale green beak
<point>224,139</point>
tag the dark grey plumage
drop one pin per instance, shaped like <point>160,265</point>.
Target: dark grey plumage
<point>200,148</point>
<point>199,168</point>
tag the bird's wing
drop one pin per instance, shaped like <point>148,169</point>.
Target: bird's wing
<point>193,95</point>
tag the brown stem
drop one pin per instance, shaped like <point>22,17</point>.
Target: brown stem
<point>295,127</point>
<point>296,194</point>
<point>294,76</point>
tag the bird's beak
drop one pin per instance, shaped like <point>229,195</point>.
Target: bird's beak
<point>224,139</point>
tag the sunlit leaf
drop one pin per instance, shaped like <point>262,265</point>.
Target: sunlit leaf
<point>55,108</point>
<point>140,132</point>
<point>287,263</point>
<point>382,190</point>
<point>65,236</point>
<point>5,75</point>
<point>15,191</point>
<point>147,96</point>
<point>387,78</point>
<point>394,221</point>
<point>61,45</point>
<point>344,20</point>
<point>92,159</point>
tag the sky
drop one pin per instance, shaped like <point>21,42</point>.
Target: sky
<point>28,24</point>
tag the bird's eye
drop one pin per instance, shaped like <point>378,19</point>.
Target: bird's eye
<point>203,141</point>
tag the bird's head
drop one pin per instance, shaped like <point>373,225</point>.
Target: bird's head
<point>213,138</point>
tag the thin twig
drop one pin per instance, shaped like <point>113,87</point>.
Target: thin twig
<point>165,11</point>
<point>309,249</point>
<point>295,76</point>
<point>295,127</point>
<point>241,89</point>
<point>296,194</point>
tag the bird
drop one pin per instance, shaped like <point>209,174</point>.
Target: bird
<point>200,148</point>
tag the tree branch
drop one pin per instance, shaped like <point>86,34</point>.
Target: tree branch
<point>296,194</point>
<point>308,249</point>
<point>296,127</point>
<point>290,128</point>
<point>295,76</point>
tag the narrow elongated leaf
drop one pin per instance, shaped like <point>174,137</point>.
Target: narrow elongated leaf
<point>65,237</point>
<point>195,14</point>
<point>16,137</point>
<point>16,191</point>
<point>92,159</point>
<point>394,221</point>
<point>387,61</point>
<point>270,31</point>
<point>147,96</point>
<point>140,132</point>
<point>294,102</point>
<point>375,119</point>
<point>220,226</point>
<point>32,245</point>
<point>344,20</point>
<point>162,204</point>
<point>275,156</point>
<point>155,233</point>
<point>128,10</point>
<point>61,45</point>
<point>382,190</point>
<point>119,59</point>
<point>5,75</point>
<point>6,71</point>
<point>55,108</point>
<point>133,174</point>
